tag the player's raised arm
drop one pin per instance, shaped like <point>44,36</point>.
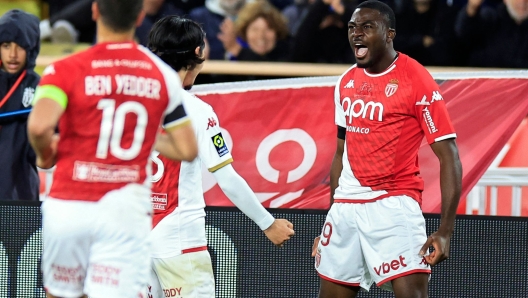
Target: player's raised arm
<point>47,109</point>
<point>238,191</point>
<point>450,186</point>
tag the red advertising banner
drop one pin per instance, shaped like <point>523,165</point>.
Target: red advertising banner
<point>283,137</point>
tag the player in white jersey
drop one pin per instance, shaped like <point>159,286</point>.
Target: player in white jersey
<point>181,263</point>
<point>108,102</point>
<point>384,106</point>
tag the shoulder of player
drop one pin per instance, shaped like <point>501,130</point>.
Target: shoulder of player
<point>413,68</point>
<point>198,110</point>
<point>345,77</point>
<point>72,62</point>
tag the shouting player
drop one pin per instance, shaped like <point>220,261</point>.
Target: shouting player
<point>181,262</point>
<point>108,102</point>
<point>375,231</point>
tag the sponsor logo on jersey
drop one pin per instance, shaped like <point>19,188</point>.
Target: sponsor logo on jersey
<point>436,96</point>
<point>174,292</point>
<point>96,172</point>
<point>349,85</point>
<point>106,275</point>
<point>391,87</point>
<point>159,201</point>
<point>429,121</point>
<point>424,262</point>
<point>390,266</point>
<point>361,109</point>
<point>220,144</point>
<point>211,123</point>
<point>365,89</point>
<point>423,102</point>
<point>27,98</point>
<point>356,129</point>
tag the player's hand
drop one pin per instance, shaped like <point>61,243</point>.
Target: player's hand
<point>315,245</point>
<point>49,160</point>
<point>440,241</point>
<point>228,37</point>
<point>279,232</point>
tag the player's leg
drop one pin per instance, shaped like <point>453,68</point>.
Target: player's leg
<point>392,234</point>
<point>411,286</point>
<point>330,289</point>
<point>186,275</point>
<point>339,258</point>
<point>120,253</point>
<point>66,246</point>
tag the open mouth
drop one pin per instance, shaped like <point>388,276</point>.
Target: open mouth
<point>360,51</point>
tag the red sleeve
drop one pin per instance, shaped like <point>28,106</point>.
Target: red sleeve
<point>430,108</point>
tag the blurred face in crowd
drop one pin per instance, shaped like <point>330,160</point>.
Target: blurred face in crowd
<point>422,6</point>
<point>518,9</point>
<point>260,37</point>
<point>13,57</point>
<point>151,7</point>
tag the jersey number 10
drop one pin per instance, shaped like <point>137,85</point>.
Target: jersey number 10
<point>113,126</point>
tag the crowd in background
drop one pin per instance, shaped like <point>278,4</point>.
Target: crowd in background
<point>478,33</point>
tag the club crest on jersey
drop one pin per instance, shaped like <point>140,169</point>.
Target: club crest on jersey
<point>220,145</point>
<point>391,87</point>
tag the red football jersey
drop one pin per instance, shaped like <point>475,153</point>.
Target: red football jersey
<point>386,116</point>
<point>116,97</point>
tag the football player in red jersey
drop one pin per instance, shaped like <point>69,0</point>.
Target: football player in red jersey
<point>108,102</point>
<point>384,106</point>
<point>181,264</point>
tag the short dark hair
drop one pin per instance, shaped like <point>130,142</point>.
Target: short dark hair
<point>174,39</point>
<point>383,8</point>
<point>119,15</point>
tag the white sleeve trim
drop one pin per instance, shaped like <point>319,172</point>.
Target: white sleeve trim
<point>239,192</point>
<point>449,136</point>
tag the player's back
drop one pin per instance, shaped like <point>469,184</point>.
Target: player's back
<point>116,96</point>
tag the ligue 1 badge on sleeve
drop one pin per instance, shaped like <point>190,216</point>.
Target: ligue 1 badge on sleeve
<point>391,87</point>
<point>219,143</point>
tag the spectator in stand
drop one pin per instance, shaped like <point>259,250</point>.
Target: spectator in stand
<point>211,16</point>
<point>74,23</point>
<point>495,37</point>
<point>262,27</point>
<point>426,33</point>
<point>295,13</point>
<point>320,35</point>
<point>155,10</point>
<point>19,47</point>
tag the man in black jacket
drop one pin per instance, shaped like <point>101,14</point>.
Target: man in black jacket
<point>19,47</point>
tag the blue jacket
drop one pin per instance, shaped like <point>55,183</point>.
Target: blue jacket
<point>18,173</point>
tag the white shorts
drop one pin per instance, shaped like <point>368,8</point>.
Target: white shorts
<point>187,275</point>
<point>372,242</point>
<point>97,248</point>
